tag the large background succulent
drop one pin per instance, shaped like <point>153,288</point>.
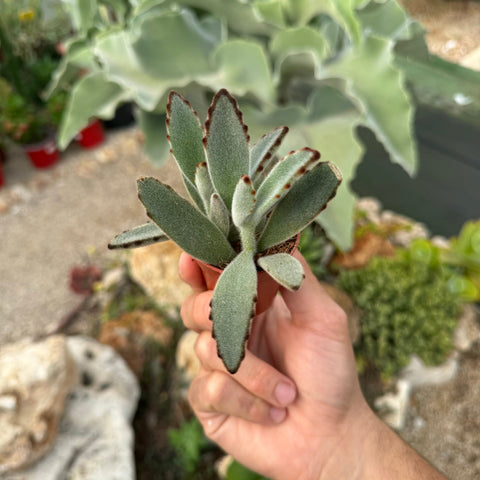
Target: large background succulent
<point>245,200</point>
<point>323,67</point>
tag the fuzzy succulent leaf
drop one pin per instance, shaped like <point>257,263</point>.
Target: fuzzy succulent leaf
<point>219,214</point>
<point>264,150</point>
<point>282,177</point>
<point>183,223</point>
<point>233,307</point>
<point>204,184</point>
<point>226,144</point>
<point>243,200</point>
<point>301,205</point>
<point>185,135</point>
<point>284,269</point>
<point>139,237</point>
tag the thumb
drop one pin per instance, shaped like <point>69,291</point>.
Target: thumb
<point>312,307</point>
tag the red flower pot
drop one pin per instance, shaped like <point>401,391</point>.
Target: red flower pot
<point>92,135</point>
<point>2,177</point>
<point>43,154</point>
<point>267,287</point>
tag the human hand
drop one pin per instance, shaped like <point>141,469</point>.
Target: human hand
<point>295,404</point>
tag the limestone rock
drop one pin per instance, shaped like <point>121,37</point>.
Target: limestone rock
<point>35,378</point>
<point>95,439</point>
<point>155,268</point>
<point>130,333</point>
<point>418,374</point>
<point>393,406</point>
<point>468,330</point>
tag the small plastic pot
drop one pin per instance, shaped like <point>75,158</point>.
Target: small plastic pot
<point>92,135</point>
<point>43,154</point>
<point>267,287</point>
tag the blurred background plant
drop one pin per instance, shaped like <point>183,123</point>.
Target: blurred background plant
<point>322,68</point>
<point>29,33</point>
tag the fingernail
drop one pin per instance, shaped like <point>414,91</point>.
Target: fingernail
<point>285,393</point>
<point>278,415</point>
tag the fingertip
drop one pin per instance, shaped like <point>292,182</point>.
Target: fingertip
<point>190,273</point>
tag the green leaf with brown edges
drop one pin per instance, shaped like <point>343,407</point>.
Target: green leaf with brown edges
<point>185,135</point>
<point>233,307</point>
<point>226,144</point>
<point>139,237</point>
<point>301,205</point>
<point>183,223</point>
<point>284,269</point>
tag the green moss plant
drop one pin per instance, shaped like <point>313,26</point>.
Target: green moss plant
<point>407,308</point>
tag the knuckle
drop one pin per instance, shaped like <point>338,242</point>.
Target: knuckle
<point>254,409</point>
<point>215,389</point>
<point>203,346</point>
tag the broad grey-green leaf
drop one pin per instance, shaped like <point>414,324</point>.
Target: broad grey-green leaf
<point>386,19</point>
<point>82,13</point>
<point>183,223</point>
<point>337,139</point>
<point>152,125</point>
<point>93,95</point>
<point>204,184</point>
<point>79,55</point>
<point>219,214</point>
<point>301,205</point>
<point>226,144</point>
<point>282,178</point>
<point>139,237</point>
<point>376,86</point>
<point>284,269</point>
<point>299,40</point>
<point>342,11</point>
<point>243,200</point>
<point>185,135</point>
<point>142,62</point>
<point>270,11</point>
<point>233,307</point>
<point>264,149</point>
<point>243,67</point>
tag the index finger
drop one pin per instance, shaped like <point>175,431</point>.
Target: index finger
<point>190,273</point>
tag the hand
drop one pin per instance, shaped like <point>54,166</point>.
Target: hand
<point>294,409</point>
<point>299,355</point>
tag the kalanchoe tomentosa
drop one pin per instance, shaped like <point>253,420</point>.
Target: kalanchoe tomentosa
<point>245,201</point>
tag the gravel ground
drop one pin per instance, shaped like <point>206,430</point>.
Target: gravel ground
<point>53,219</point>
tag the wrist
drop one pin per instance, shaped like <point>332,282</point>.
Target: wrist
<point>372,451</point>
<point>352,457</point>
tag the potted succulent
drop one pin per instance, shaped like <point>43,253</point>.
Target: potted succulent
<point>31,127</point>
<point>248,209</point>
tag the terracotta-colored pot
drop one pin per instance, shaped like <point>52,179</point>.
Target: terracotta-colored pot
<point>92,135</point>
<point>43,154</point>
<point>267,287</point>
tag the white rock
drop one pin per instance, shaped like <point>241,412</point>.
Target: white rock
<point>393,406</point>
<point>35,378</point>
<point>95,439</point>
<point>468,329</point>
<point>155,268</point>
<point>417,374</point>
